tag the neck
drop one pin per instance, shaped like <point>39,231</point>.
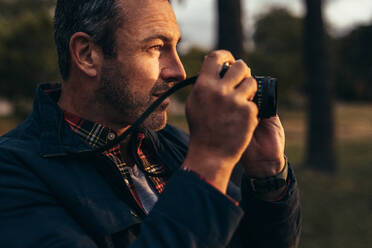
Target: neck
<point>83,104</point>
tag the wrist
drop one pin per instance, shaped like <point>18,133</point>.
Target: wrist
<point>216,171</point>
<point>272,187</point>
<point>264,168</point>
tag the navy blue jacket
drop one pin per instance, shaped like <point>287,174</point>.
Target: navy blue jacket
<point>54,192</point>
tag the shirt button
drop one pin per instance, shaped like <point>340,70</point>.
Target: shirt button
<point>111,136</point>
<point>133,213</point>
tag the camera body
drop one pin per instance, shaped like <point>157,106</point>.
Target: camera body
<point>266,96</point>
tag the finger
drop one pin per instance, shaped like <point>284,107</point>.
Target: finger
<point>247,88</point>
<point>273,127</point>
<point>237,73</point>
<point>254,110</point>
<point>272,122</point>
<point>214,61</point>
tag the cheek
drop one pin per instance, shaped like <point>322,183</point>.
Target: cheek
<point>145,75</point>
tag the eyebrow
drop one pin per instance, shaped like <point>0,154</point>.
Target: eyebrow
<point>161,37</point>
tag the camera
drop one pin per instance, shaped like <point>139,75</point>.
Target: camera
<point>266,95</point>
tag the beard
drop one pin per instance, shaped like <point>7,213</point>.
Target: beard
<point>116,95</point>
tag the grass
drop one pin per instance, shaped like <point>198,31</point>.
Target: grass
<point>337,208</point>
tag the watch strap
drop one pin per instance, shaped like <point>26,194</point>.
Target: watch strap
<point>269,184</point>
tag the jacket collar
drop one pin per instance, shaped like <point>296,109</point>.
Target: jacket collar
<point>56,138</point>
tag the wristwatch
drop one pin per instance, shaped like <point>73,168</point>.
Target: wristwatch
<point>269,184</point>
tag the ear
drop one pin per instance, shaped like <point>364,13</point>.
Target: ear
<point>85,54</point>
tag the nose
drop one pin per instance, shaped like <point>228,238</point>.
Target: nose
<point>173,70</point>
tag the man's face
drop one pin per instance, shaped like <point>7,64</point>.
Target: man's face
<point>147,63</point>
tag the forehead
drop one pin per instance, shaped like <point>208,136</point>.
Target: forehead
<point>143,18</point>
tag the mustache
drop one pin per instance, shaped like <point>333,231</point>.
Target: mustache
<point>162,87</point>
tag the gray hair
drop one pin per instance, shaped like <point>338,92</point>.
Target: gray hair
<point>98,18</point>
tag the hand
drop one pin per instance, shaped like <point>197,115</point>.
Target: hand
<point>221,117</point>
<point>264,156</point>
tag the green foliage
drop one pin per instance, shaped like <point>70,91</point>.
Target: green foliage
<point>192,61</point>
<point>28,55</point>
<point>354,67</point>
<point>27,52</point>
<point>11,9</point>
<point>278,52</point>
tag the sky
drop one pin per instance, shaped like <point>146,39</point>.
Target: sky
<point>197,17</point>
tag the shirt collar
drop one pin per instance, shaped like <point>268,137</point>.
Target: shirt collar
<point>59,128</point>
<point>94,134</point>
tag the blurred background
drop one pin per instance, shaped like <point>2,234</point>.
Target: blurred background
<point>319,50</point>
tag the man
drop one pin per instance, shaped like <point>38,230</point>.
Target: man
<point>156,189</point>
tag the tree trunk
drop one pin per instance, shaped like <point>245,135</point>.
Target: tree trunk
<point>320,136</point>
<point>230,37</point>
<point>230,28</point>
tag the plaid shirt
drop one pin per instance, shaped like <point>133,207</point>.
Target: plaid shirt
<point>97,136</point>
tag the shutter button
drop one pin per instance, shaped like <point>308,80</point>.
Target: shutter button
<point>111,136</point>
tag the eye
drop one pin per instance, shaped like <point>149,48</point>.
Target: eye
<point>156,47</point>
